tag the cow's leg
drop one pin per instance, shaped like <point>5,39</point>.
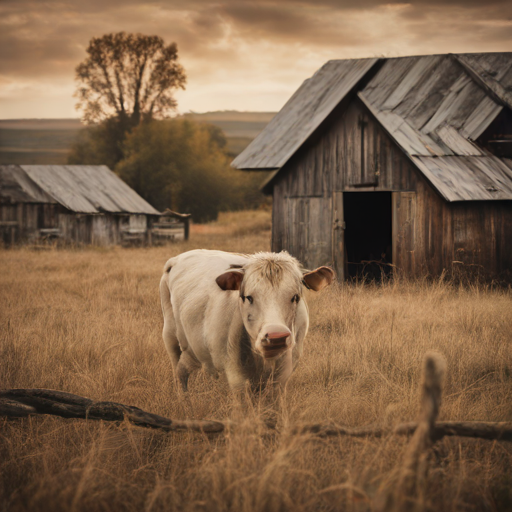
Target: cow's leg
<point>236,380</point>
<point>186,365</point>
<point>273,396</point>
<point>171,343</point>
<point>169,331</point>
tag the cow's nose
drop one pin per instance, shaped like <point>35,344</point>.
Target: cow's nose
<point>276,334</point>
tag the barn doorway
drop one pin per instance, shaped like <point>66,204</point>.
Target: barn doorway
<point>368,235</point>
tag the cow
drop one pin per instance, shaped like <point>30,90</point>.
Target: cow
<point>244,315</point>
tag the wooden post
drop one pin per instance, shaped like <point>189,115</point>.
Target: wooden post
<point>186,221</point>
<point>338,237</point>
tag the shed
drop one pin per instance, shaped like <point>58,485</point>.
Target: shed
<point>82,204</point>
<point>400,163</point>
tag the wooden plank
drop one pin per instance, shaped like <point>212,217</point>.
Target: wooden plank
<point>404,233</point>
<point>494,64</point>
<point>460,178</point>
<point>445,182</point>
<point>456,142</point>
<point>318,243</point>
<point>481,117</point>
<point>416,73</point>
<point>476,68</point>
<point>498,173</point>
<point>387,79</point>
<point>467,101</point>
<point>454,100</point>
<point>412,141</point>
<point>338,237</point>
<point>422,101</point>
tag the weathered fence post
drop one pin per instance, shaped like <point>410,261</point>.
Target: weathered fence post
<point>409,491</point>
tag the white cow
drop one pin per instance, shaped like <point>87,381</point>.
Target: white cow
<point>241,314</point>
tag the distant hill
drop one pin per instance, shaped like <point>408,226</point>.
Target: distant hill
<point>235,124</point>
<point>48,141</point>
<point>37,141</point>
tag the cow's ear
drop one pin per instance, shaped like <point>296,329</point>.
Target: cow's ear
<point>319,278</point>
<point>230,280</point>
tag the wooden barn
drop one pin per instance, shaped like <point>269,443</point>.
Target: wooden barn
<point>79,204</point>
<point>400,163</point>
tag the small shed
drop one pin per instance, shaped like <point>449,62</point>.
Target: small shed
<point>81,204</point>
<point>171,227</point>
<point>404,163</point>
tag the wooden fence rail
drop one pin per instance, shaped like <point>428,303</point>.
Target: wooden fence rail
<point>18,403</point>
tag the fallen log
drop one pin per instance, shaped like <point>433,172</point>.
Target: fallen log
<point>19,403</point>
<point>426,430</point>
<point>497,431</point>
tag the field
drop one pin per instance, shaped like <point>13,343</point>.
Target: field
<point>48,141</point>
<point>89,322</point>
<point>37,141</point>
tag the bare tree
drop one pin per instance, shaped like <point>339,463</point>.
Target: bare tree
<point>130,77</point>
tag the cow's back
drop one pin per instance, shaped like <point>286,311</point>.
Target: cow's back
<point>197,270</point>
<point>202,311</point>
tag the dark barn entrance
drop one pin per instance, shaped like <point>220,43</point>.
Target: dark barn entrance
<point>368,234</point>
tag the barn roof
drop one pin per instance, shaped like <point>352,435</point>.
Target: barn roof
<point>79,188</point>
<point>302,114</point>
<point>433,106</point>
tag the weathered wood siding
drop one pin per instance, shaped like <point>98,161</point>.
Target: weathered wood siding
<point>353,153</point>
<point>22,223</point>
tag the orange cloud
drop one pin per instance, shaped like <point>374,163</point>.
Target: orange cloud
<point>242,54</point>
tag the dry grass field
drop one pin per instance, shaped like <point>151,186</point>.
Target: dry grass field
<point>89,322</point>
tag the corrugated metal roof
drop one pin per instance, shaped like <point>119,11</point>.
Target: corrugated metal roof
<point>302,114</point>
<point>434,107</point>
<point>79,188</point>
<point>17,187</point>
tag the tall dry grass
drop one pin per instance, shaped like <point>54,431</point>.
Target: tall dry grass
<point>89,322</point>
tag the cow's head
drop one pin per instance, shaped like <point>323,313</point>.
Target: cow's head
<point>271,298</point>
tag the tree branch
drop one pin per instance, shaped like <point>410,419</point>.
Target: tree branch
<point>501,431</point>
<point>18,403</point>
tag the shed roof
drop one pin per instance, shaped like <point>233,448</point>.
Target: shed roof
<point>79,188</point>
<point>433,106</point>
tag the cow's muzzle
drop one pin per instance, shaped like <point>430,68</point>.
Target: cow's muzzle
<point>275,343</point>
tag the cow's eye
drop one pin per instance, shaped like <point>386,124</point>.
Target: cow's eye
<point>295,298</point>
<point>250,299</point>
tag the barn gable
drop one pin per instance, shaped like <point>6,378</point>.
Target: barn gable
<point>434,107</point>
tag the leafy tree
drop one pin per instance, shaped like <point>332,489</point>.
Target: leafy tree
<point>175,164</point>
<point>125,79</point>
<point>130,77</point>
<point>183,165</point>
<point>100,144</point>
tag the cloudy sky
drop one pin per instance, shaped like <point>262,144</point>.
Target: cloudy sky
<point>238,54</point>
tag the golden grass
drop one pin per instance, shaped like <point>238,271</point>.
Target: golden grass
<point>89,322</point>
<point>238,224</point>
